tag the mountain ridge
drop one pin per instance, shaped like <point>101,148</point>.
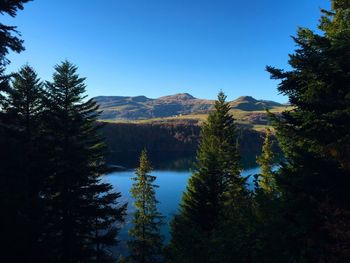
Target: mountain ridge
<point>142,107</point>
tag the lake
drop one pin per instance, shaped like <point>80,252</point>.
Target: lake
<point>171,186</point>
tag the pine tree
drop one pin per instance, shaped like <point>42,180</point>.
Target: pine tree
<point>14,235</point>
<point>267,223</point>
<point>266,161</point>
<point>315,139</point>
<point>83,211</point>
<point>9,40</point>
<point>24,103</point>
<point>210,190</point>
<point>9,36</point>
<point>146,241</point>
<point>22,182</point>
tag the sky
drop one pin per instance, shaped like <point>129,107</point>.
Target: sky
<point>162,47</point>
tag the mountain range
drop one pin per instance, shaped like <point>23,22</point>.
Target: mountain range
<point>141,107</point>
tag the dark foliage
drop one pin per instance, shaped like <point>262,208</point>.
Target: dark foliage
<point>52,159</point>
<point>83,211</point>
<point>315,138</point>
<point>22,167</point>
<point>9,36</point>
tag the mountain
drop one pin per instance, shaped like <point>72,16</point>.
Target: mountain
<point>248,103</point>
<point>141,107</point>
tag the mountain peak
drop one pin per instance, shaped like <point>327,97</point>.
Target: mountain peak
<point>179,96</point>
<point>246,99</point>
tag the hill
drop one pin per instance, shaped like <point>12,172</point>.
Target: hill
<point>117,108</point>
<point>248,103</point>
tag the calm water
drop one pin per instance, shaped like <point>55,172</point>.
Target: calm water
<point>171,186</point>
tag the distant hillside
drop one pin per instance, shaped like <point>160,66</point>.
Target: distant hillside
<point>141,107</point>
<point>248,103</point>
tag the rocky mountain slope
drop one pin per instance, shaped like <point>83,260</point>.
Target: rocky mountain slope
<point>141,107</point>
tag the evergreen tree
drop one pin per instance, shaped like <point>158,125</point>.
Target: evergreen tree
<point>267,221</point>
<point>316,142</point>
<point>211,189</point>
<point>9,36</point>
<point>9,40</point>
<point>82,210</point>
<point>266,161</point>
<point>22,182</point>
<point>146,243</point>
<point>24,103</point>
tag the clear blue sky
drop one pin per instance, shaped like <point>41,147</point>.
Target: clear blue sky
<point>162,47</point>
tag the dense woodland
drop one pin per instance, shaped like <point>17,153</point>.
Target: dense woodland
<point>170,140</point>
<point>57,208</point>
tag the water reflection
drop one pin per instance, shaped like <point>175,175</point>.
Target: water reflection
<point>171,161</point>
<point>172,184</point>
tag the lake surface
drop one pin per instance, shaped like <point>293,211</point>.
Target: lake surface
<point>171,186</point>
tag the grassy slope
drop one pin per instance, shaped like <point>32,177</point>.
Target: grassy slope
<point>242,117</point>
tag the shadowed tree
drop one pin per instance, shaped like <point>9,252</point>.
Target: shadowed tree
<point>315,139</point>
<point>146,242</point>
<point>83,210</point>
<point>22,182</point>
<point>9,39</point>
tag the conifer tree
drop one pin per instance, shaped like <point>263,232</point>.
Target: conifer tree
<point>9,36</point>
<point>23,165</point>
<point>146,241</point>
<point>84,211</point>
<point>315,139</point>
<point>266,161</point>
<point>9,40</point>
<point>267,222</point>
<point>24,102</point>
<point>210,190</point>
<point>14,236</point>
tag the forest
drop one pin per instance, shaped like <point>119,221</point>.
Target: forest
<point>57,207</point>
<point>125,142</point>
